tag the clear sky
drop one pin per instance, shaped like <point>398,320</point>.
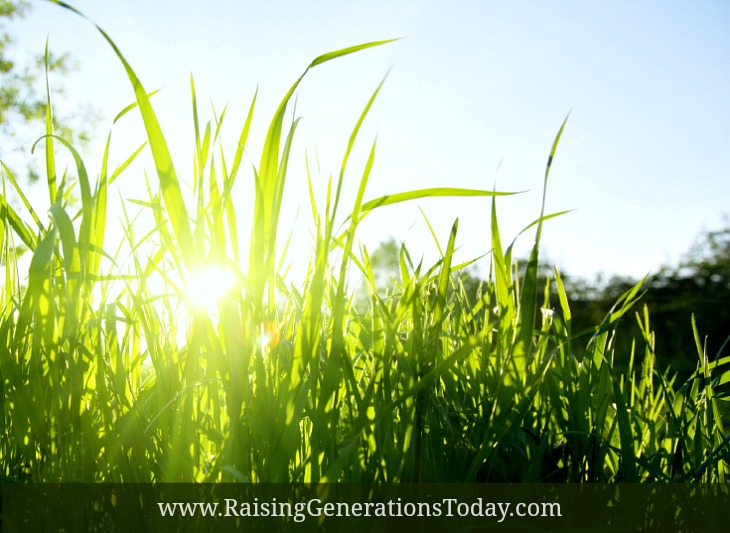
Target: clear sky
<point>476,93</point>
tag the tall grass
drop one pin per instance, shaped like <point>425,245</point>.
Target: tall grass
<point>102,381</point>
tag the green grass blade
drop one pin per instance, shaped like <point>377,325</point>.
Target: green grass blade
<point>345,51</point>
<point>350,145</point>
<point>87,204</point>
<point>68,237</point>
<point>169,182</point>
<point>445,275</point>
<point>50,152</point>
<point>628,455</point>
<point>434,192</point>
<point>528,302</point>
<point>8,174</point>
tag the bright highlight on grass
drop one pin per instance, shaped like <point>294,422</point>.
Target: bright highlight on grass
<point>208,285</point>
<point>427,381</point>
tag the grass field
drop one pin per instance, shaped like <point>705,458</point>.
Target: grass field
<point>118,364</point>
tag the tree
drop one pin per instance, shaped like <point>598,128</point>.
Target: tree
<point>385,262</point>
<point>697,288</point>
<point>22,91</point>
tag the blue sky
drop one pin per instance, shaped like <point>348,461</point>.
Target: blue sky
<point>476,93</point>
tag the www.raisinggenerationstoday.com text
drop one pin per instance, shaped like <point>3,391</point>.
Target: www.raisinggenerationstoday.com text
<point>314,508</point>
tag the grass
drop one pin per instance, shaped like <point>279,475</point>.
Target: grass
<point>111,373</point>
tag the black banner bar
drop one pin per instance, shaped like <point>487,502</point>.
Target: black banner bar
<point>352,508</point>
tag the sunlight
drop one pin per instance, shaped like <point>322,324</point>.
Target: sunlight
<point>208,285</point>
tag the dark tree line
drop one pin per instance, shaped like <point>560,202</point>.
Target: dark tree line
<point>698,287</point>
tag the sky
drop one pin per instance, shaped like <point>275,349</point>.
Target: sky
<point>475,94</point>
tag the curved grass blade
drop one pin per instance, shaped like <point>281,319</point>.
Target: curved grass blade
<point>390,199</point>
<point>86,199</point>
<point>169,183</point>
<point>68,237</point>
<point>271,180</point>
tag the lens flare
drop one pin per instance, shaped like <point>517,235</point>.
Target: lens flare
<point>209,285</point>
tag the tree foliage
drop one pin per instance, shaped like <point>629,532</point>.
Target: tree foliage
<point>22,91</point>
<point>698,287</point>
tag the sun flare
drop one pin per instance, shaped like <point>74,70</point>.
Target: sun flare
<point>208,285</point>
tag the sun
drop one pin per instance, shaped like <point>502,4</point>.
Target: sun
<point>208,285</point>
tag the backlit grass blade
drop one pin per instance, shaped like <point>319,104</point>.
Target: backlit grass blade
<point>169,182</point>
<point>434,192</point>
<point>541,220</point>
<point>445,276</point>
<point>9,175</point>
<point>547,174</point>
<point>98,225</point>
<point>628,455</point>
<point>40,267</point>
<point>68,237</point>
<point>563,298</point>
<point>345,51</point>
<point>278,196</point>
<point>50,154</point>
<point>432,232</point>
<point>422,374</point>
<point>86,200</point>
<point>502,270</point>
<point>350,145</point>
<point>528,301</point>
<point>16,222</point>
<point>269,175</point>
<point>241,146</point>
